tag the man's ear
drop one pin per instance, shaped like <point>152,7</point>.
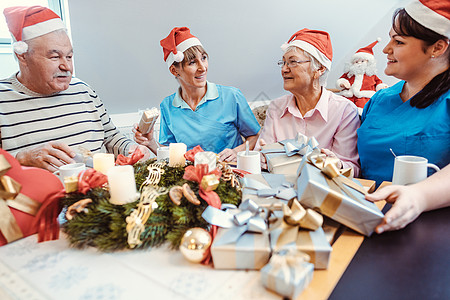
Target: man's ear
<point>21,58</point>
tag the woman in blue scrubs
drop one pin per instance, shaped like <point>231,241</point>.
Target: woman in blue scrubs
<point>413,116</point>
<point>201,113</point>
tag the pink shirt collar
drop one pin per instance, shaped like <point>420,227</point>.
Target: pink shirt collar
<point>321,107</point>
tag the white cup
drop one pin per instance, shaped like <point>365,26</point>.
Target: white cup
<point>162,153</point>
<point>250,163</point>
<point>410,169</point>
<point>69,170</point>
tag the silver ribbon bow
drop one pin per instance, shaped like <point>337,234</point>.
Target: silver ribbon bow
<point>300,145</point>
<point>278,187</point>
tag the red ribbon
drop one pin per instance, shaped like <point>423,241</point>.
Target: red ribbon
<point>46,220</point>
<point>131,160</point>
<point>190,155</point>
<point>196,174</point>
<point>91,179</point>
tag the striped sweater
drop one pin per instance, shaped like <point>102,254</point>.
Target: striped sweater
<point>75,117</point>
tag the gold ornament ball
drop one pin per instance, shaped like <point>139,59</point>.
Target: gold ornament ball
<point>194,244</point>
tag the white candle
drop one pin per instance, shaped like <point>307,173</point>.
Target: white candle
<point>103,162</point>
<point>176,154</point>
<point>162,153</point>
<point>208,158</point>
<point>122,185</point>
<point>250,162</point>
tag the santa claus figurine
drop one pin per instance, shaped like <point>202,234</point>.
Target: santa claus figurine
<point>359,81</point>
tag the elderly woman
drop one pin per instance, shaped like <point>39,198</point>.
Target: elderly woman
<point>310,108</point>
<point>412,117</point>
<point>201,113</point>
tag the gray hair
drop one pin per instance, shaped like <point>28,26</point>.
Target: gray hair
<point>315,64</point>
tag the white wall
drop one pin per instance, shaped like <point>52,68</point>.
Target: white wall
<point>117,49</point>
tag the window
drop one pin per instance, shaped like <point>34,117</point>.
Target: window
<point>9,65</point>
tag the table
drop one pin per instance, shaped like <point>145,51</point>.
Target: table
<point>412,263</point>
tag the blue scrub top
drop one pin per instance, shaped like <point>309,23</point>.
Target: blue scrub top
<point>217,123</point>
<point>388,122</point>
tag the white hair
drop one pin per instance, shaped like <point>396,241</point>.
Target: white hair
<point>315,64</point>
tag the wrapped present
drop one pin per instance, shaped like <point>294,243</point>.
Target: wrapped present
<point>206,157</point>
<point>322,187</point>
<point>242,241</point>
<point>285,157</point>
<point>288,273</point>
<point>148,120</point>
<point>267,189</point>
<point>301,229</point>
<point>28,201</point>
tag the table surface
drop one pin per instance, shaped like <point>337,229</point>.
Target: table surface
<point>412,263</point>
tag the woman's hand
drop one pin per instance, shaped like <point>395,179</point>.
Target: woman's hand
<point>229,155</point>
<point>407,206</point>
<point>331,154</point>
<point>142,139</point>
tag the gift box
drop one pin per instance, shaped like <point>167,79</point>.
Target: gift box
<point>285,157</point>
<point>336,196</point>
<point>251,251</point>
<point>28,201</point>
<point>287,276</point>
<point>268,189</point>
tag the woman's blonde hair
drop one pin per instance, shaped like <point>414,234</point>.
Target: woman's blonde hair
<point>190,54</point>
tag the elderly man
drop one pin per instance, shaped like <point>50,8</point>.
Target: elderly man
<point>45,113</point>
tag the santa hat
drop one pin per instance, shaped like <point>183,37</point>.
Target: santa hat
<point>432,14</point>
<point>315,42</point>
<point>366,52</point>
<point>179,40</point>
<point>28,22</point>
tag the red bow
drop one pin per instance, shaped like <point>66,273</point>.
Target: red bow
<point>134,158</point>
<point>91,179</point>
<point>190,155</point>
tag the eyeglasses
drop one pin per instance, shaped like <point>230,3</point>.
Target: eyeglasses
<point>291,63</point>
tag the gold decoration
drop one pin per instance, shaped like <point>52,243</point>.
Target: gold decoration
<point>155,171</point>
<point>209,182</point>
<point>138,217</point>
<point>195,243</point>
<point>71,183</point>
<point>175,194</point>
<point>229,175</point>
<point>77,207</point>
<point>190,195</point>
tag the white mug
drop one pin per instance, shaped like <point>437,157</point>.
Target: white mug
<point>69,170</point>
<point>162,153</point>
<point>410,169</point>
<point>250,163</point>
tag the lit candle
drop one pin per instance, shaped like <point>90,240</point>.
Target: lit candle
<point>122,185</point>
<point>103,162</point>
<point>176,154</point>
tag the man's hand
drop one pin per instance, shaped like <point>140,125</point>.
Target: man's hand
<point>49,156</point>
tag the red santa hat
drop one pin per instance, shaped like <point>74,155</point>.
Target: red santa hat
<point>28,22</point>
<point>366,52</point>
<point>179,40</point>
<point>432,14</point>
<point>315,42</point>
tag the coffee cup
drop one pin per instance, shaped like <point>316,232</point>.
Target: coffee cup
<point>249,162</point>
<point>409,169</point>
<point>69,170</point>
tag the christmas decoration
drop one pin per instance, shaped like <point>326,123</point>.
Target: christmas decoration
<point>360,81</point>
<point>195,244</point>
<point>104,225</point>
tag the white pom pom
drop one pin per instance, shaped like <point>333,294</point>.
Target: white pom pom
<point>284,47</point>
<point>20,47</point>
<point>179,56</point>
<point>379,39</point>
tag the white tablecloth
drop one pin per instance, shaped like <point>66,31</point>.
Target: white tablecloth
<point>52,270</point>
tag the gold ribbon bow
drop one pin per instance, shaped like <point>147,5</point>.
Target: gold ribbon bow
<point>295,217</point>
<point>10,196</point>
<point>338,184</point>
